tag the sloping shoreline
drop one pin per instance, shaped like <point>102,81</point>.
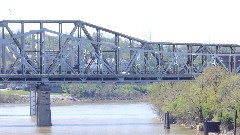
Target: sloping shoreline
<point>59,98</point>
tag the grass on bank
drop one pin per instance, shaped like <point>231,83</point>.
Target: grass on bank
<point>14,92</point>
<point>23,92</point>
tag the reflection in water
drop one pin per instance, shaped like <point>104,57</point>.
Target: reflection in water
<point>45,130</point>
<point>88,119</point>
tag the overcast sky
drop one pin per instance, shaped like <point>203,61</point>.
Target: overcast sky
<point>214,21</point>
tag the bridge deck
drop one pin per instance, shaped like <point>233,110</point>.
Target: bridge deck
<point>93,78</point>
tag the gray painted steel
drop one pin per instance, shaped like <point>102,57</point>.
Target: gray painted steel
<point>42,52</point>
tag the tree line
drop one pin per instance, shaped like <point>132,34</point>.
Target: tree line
<point>214,95</point>
<point>105,91</point>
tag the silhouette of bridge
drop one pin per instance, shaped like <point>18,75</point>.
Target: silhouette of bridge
<point>41,52</point>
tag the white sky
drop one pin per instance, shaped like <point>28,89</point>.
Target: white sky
<point>214,21</point>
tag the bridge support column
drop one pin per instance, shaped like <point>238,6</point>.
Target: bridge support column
<point>33,101</point>
<point>43,106</point>
<point>166,121</point>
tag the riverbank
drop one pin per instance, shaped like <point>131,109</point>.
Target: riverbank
<point>63,99</point>
<point>58,98</point>
<point>199,127</point>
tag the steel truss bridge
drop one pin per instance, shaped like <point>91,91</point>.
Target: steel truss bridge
<point>58,51</point>
<point>44,52</point>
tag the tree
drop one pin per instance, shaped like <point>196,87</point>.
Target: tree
<point>104,91</point>
<point>208,93</point>
<point>190,101</point>
<point>230,93</point>
<point>230,100</point>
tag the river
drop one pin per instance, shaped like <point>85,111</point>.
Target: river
<point>88,119</point>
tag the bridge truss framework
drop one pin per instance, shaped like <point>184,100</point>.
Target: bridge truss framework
<point>45,51</point>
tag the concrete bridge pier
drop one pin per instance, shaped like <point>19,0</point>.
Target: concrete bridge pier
<point>43,106</point>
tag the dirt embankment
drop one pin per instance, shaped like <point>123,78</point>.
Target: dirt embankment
<point>26,99</point>
<point>13,99</point>
<point>61,99</point>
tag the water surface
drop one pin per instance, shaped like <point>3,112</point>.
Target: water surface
<point>88,119</point>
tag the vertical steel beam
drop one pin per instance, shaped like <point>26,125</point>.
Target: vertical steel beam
<point>174,65</point>
<point>79,50</point>
<point>145,62</point>
<point>131,51</point>
<point>41,49</point>
<point>217,49</point>
<point>22,51</point>
<point>98,35</point>
<point>174,48</point>
<point>3,53</point>
<point>159,61</point>
<point>99,53</point>
<point>98,40</point>
<point>59,44</point>
<point>160,47</point>
<point>117,54</point>
<point>204,57</point>
<point>22,36</point>
<point>190,57</point>
<point>131,56</point>
<point>34,48</point>
<point>233,61</point>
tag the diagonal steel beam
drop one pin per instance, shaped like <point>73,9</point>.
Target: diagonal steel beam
<point>11,68</point>
<point>14,39</point>
<point>66,41</point>
<point>89,65</point>
<point>18,44</point>
<point>148,47</point>
<point>23,59</point>
<point>189,61</point>
<point>195,56</point>
<point>98,56</point>
<point>72,32</point>
<point>96,48</point>
<point>132,60</point>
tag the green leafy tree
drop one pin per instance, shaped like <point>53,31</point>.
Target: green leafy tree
<point>104,91</point>
<point>190,101</point>
<point>230,100</point>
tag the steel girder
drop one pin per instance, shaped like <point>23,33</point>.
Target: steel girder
<point>44,54</point>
